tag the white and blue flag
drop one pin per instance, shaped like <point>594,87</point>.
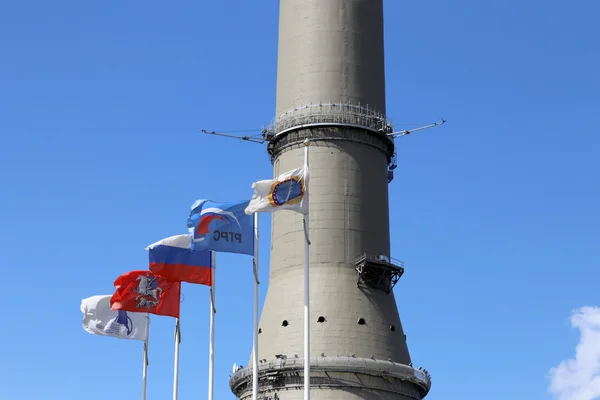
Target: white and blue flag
<point>99,319</point>
<point>221,227</point>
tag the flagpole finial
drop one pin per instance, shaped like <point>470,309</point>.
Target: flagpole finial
<point>306,142</point>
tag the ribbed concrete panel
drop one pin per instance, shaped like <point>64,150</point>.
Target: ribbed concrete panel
<point>330,51</point>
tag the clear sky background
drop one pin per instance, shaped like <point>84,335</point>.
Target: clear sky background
<point>495,214</point>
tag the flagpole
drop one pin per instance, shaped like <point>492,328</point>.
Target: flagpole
<point>255,333</point>
<point>211,363</point>
<point>145,359</point>
<point>306,290</point>
<point>176,368</point>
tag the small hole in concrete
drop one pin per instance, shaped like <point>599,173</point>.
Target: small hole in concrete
<point>259,330</point>
<point>284,323</point>
<point>393,328</point>
<point>321,319</point>
<point>361,321</point>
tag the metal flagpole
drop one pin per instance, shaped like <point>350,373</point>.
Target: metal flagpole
<point>211,352</point>
<point>176,368</point>
<point>306,289</point>
<point>145,359</point>
<point>255,339</point>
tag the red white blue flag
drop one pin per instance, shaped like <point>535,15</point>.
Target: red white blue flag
<point>173,259</point>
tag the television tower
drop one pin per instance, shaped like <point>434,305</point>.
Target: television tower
<point>331,91</point>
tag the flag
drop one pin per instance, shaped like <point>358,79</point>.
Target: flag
<point>173,259</point>
<point>99,319</point>
<point>221,227</point>
<point>287,192</point>
<point>143,291</point>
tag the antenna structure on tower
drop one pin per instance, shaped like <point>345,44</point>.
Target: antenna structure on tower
<point>251,139</point>
<point>266,137</point>
<point>393,135</point>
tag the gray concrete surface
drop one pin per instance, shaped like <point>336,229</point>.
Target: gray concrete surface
<point>331,51</point>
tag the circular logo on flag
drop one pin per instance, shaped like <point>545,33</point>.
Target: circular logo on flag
<point>289,191</point>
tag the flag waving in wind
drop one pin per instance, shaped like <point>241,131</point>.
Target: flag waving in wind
<point>287,192</point>
<point>143,291</point>
<point>173,259</point>
<point>99,319</point>
<point>221,227</point>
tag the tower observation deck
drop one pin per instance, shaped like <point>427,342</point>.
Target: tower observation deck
<point>331,91</point>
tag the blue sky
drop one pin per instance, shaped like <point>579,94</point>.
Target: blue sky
<point>495,214</point>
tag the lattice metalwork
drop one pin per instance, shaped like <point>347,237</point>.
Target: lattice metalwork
<point>333,372</point>
<point>378,271</point>
<point>329,114</point>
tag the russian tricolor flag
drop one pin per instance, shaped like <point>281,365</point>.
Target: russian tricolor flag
<point>173,259</point>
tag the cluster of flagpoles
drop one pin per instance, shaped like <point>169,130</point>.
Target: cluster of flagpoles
<point>184,258</point>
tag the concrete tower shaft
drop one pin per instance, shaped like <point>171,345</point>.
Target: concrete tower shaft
<point>330,52</point>
<point>331,90</point>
